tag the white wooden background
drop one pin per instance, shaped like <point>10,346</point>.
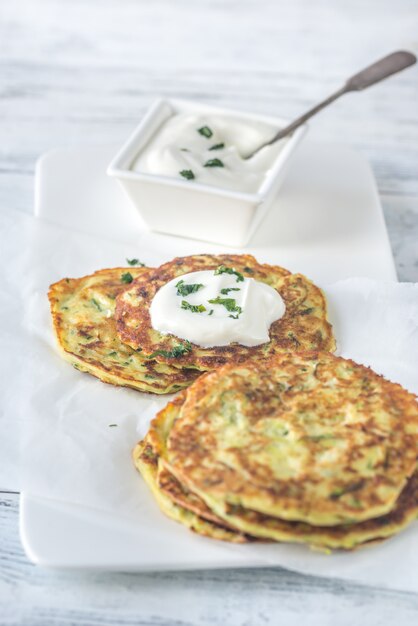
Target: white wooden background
<point>83,71</point>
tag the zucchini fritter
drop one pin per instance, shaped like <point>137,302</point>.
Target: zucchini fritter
<point>303,327</point>
<point>82,311</point>
<point>305,437</point>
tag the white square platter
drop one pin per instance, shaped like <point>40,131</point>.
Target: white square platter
<point>327,222</point>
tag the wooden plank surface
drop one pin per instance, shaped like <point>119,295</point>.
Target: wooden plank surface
<point>31,595</point>
<point>84,72</point>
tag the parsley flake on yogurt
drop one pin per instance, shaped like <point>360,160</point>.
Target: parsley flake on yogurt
<point>205,131</point>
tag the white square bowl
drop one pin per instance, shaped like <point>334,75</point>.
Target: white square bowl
<point>198,211</point>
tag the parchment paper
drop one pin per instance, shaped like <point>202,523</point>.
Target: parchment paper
<point>62,417</point>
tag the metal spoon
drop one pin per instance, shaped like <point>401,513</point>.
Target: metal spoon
<point>371,75</point>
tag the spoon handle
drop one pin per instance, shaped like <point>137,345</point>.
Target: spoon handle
<point>306,116</point>
<point>389,65</point>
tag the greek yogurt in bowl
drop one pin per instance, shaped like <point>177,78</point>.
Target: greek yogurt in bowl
<point>186,172</point>
<point>211,150</point>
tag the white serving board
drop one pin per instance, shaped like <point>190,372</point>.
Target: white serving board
<point>327,222</point>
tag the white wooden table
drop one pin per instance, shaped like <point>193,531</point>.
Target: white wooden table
<point>83,72</point>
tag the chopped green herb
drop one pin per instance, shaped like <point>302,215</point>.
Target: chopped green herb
<point>138,350</point>
<point>148,453</point>
<point>249,270</point>
<point>210,312</point>
<point>194,308</point>
<point>127,277</point>
<point>222,269</point>
<point>230,304</point>
<point>341,491</point>
<point>112,353</point>
<point>135,262</point>
<point>337,493</point>
<point>112,425</point>
<point>64,308</point>
<point>226,291</point>
<point>175,353</point>
<point>307,311</point>
<point>96,304</point>
<point>214,163</point>
<point>217,146</point>
<point>150,377</point>
<point>317,438</point>
<point>205,131</point>
<point>292,337</point>
<point>184,290</point>
<point>187,174</point>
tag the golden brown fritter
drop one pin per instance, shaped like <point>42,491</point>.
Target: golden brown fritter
<point>82,311</point>
<point>304,437</point>
<point>303,327</point>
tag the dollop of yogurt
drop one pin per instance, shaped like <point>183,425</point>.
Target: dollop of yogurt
<point>211,150</point>
<point>215,309</point>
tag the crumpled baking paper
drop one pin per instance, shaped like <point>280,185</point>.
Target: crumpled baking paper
<point>76,433</point>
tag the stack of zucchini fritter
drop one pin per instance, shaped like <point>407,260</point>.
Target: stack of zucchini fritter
<point>304,447</point>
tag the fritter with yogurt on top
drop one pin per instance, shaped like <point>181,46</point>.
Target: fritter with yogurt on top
<point>304,325</point>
